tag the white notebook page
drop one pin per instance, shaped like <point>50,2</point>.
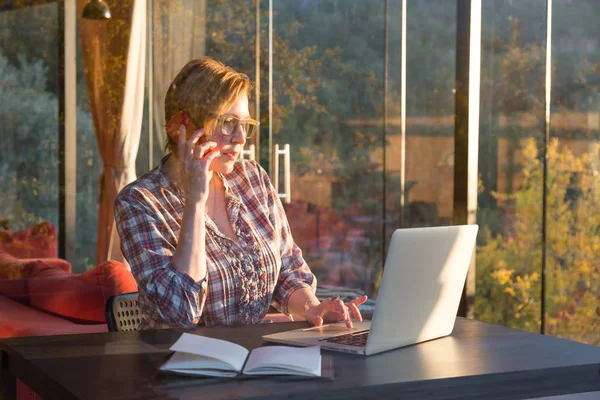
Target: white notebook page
<point>230,353</point>
<point>277,359</point>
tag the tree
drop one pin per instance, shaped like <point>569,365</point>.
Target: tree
<point>29,160</point>
<point>321,79</point>
<point>509,249</point>
<point>508,291</point>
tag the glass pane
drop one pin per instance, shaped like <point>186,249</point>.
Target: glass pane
<point>142,161</point>
<point>231,34</point>
<point>178,35</point>
<point>29,115</point>
<point>188,29</point>
<point>89,169</point>
<point>231,39</point>
<point>392,122</point>
<point>430,77</point>
<point>40,291</point>
<point>328,106</point>
<point>572,306</point>
<point>511,131</point>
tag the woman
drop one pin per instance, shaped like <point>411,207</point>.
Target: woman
<point>205,233</point>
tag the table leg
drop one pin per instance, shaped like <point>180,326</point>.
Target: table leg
<point>8,382</point>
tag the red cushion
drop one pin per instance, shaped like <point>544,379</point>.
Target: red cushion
<point>81,298</point>
<point>37,241</point>
<point>15,272</point>
<point>31,264</point>
<point>11,267</point>
<point>14,268</point>
<point>18,320</point>
<point>13,278</point>
<point>16,289</point>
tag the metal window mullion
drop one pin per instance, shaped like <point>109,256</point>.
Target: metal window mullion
<point>271,88</point>
<point>385,127</point>
<point>403,117</point>
<point>150,80</point>
<point>67,129</point>
<point>547,99</point>
<point>466,125</point>
<point>257,80</point>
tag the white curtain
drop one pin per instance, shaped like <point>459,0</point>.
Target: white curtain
<point>127,142</point>
<point>179,35</point>
<point>114,55</point>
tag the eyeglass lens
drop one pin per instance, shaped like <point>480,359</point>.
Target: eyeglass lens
<point>230,125</point>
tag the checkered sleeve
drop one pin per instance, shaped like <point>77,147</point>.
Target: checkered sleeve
<point>294,273</point>
<point>170,295</point>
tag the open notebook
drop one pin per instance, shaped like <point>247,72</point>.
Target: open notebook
<point>203,356</point>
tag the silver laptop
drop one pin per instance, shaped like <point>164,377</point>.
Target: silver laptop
<point>420,291</point>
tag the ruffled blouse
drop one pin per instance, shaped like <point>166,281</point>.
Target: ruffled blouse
<point>244,277</point>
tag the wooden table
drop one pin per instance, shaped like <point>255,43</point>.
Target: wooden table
<point>478,361</point>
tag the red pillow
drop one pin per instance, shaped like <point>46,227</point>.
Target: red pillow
<point>11,267</point>
<point>15,272</point>
<point>13,278</point>
<point>37,241</point>
<point>16,289</point>
<point>80,298</point>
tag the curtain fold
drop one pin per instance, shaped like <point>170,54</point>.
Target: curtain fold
<point>179,35</point>
<point>114,57</point>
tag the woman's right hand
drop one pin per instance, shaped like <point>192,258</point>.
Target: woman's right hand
<point>194,162</point>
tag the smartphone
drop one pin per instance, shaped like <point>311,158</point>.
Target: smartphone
<point>186,120</point>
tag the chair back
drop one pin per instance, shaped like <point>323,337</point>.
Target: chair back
<point>122,312</point>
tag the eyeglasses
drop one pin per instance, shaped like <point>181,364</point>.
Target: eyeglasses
<point>228,125</point>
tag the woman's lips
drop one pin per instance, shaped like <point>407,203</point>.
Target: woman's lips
<point>231,156</point>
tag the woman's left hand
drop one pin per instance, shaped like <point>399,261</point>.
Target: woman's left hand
<point>334,310</point>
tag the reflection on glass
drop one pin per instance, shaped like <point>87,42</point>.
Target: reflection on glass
<point>178,35</point>
<point>89,168</point>
<point>29,115</point>
<point>511,130</point>
<point>328,106</point>
<point>430,77</point>
<point>186,29</point>
<point>573,270</point>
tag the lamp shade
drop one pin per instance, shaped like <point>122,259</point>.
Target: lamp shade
<point>96,9</point>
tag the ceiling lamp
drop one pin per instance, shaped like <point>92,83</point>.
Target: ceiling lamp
<point>96,9</point>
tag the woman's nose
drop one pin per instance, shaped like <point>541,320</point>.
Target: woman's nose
<point>239,136</point>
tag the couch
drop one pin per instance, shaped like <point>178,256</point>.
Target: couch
<point>49,300</point>
<point>40,296</point>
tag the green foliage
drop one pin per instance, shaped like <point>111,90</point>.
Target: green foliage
<point>29,161</point>
<point>509,266</point>
<point>29,169</point>
<point>509,255</point>
<point>328,69</point>
<point>320,79</point>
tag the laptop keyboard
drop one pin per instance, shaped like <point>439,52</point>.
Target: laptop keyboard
<point>358,339</point>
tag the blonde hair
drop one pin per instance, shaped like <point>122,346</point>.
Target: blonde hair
<point>205,88</point>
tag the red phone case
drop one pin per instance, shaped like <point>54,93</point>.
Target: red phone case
<point>185,120</point>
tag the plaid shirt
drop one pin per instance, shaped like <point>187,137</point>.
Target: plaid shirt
<point>265,266</point>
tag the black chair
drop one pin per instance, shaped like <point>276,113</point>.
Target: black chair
<point>122,312</point>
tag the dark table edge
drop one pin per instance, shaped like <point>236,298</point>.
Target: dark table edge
<point>508,385</point>
<point>497,386</point>
<point>8,382</point>
<point>525,384</point>
<point>14,367</point>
